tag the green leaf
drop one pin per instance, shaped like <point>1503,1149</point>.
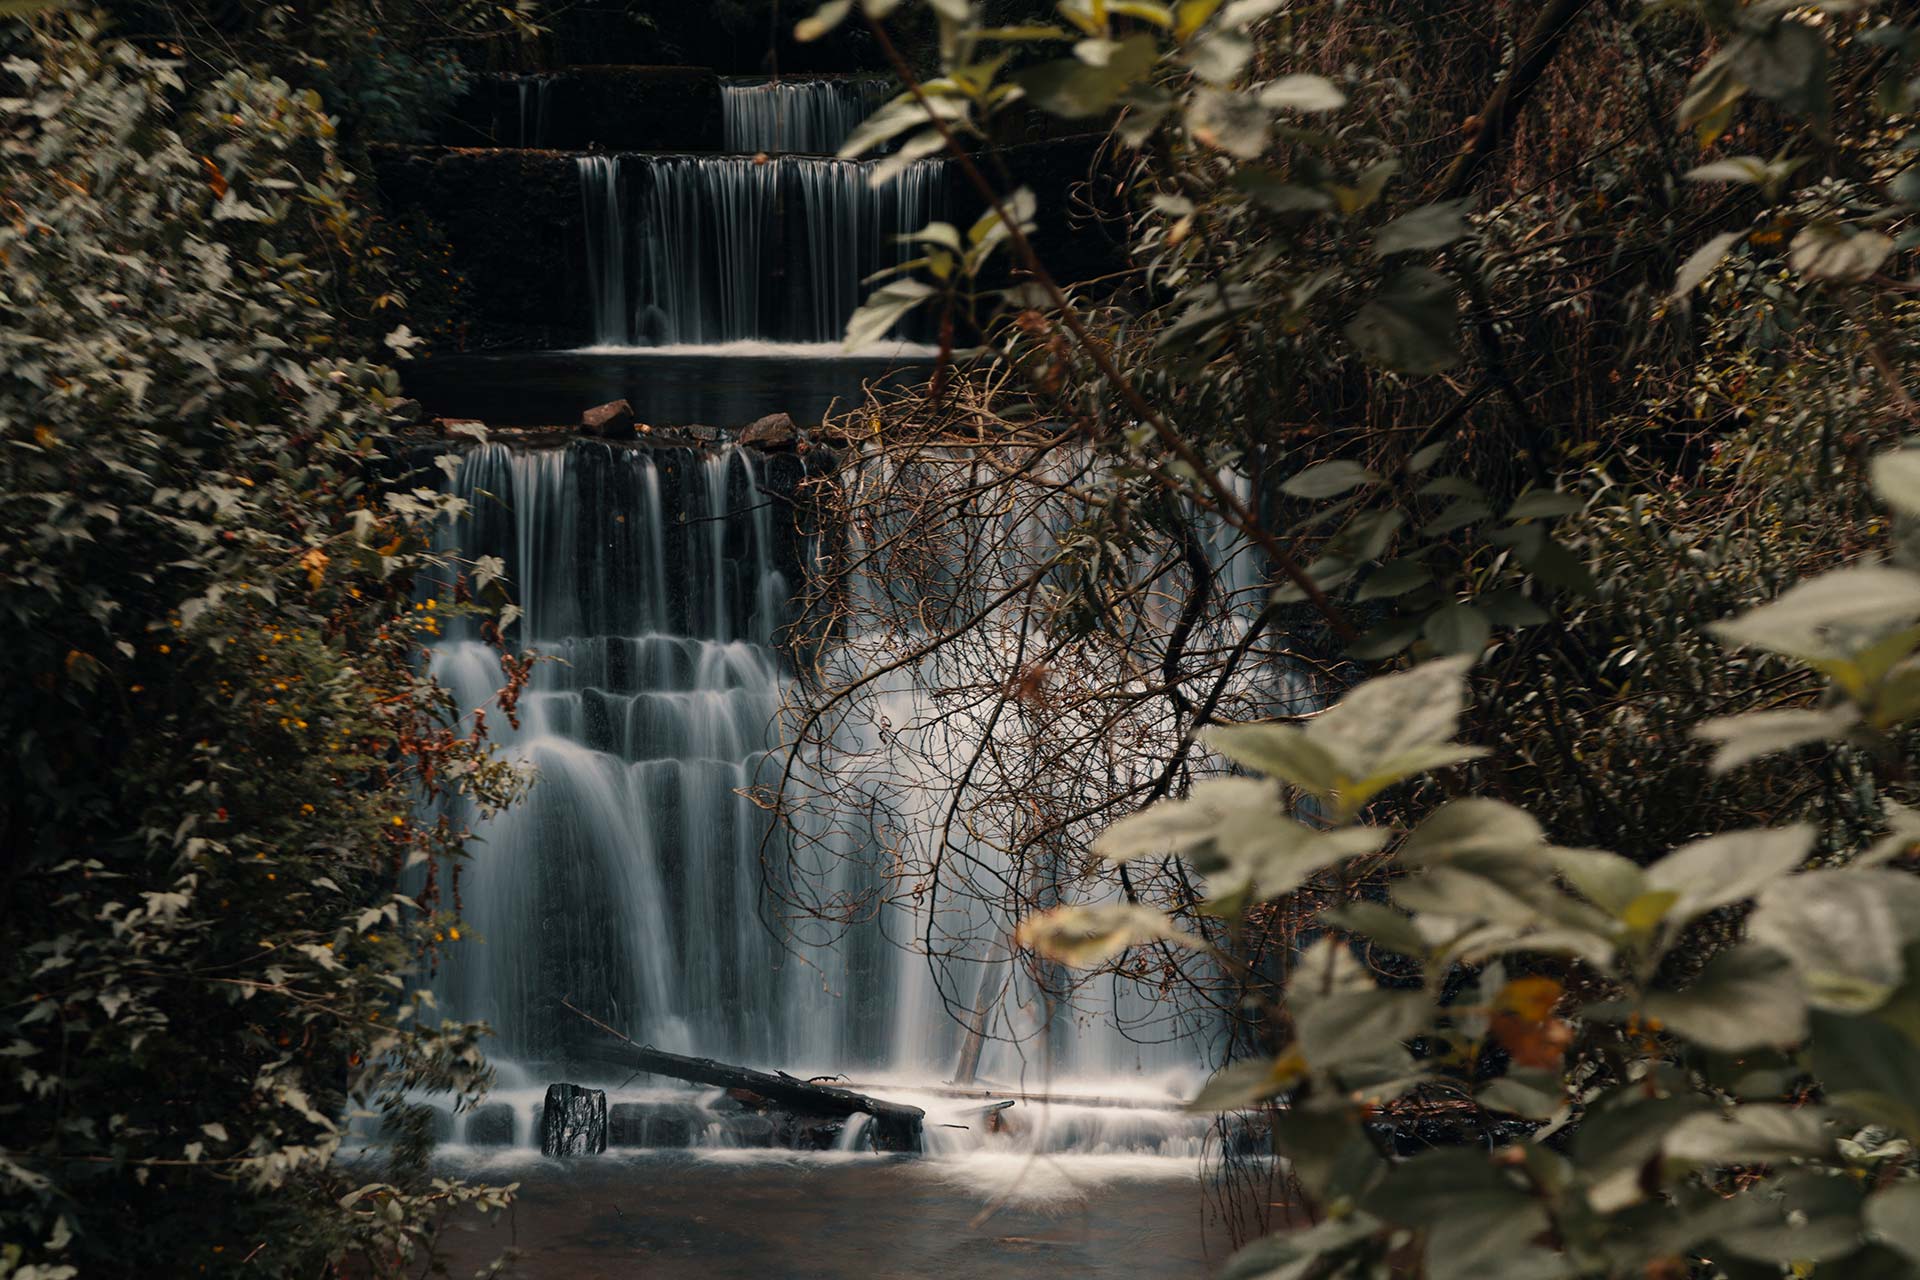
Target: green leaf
<point>1380,924</point>
<point>1072,89</point>
<point>1896,480</point>
<point>885,308</point>
<point>1867,1065</point>
<point>1846,931</point>
<point>1747,997</point>
<point>1754,1133</point>
<point>1086,936</point>
<point>1479,1221</point>
<point>1432,226</point>
<point>1701,262</point>
<point>1748,737</point>
<point>1213,808</point>
<point>1395,578</point>
<point>1545,504</point>
<point>1529,1092</point>
<point>1607,880</point>
<point>1302,93</point>
<point>824,19</point>
<point>1837,615</point>
<point>1458,628</point>
<point>1730,867</point>
<point>1382,642</point>
<point>1394,726</point>
<point>1470,826</point>
<point>1279,751</point>
<point>1894,1216</point>
<point>1459,514</point>
<point>1361,1024</point>
<point>1231,122</point>
<point>1328,479</point>
<point>1828,251</point>
<point>1786,62</point>
<point>1219,56</point>
<point>1510,609</point>
<point>1272,192</point>
<point>1409,325</point>
<point>1800,1218</point>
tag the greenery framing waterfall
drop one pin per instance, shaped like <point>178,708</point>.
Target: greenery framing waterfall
<point>1283,628</point>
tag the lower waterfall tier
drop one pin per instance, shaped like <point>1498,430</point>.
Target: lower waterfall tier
<point>643,878</point>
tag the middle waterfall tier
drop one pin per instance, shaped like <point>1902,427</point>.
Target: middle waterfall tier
<point>702,250</point>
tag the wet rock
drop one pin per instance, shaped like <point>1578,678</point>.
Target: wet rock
<point>611,421</point>
<point>406,411</point>
<point>775,431</point>
<point>491,1125</point>
<point>748,1130</point>
<point>573,1122</point>
<point>652,1124</point>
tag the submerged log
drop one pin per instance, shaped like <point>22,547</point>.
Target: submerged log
<point>896,1126</point>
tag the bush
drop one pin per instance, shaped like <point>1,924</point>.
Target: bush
<point>215,731</point>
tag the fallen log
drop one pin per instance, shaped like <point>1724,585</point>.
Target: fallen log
<point>987,1094</point>
<point>896,1126</point>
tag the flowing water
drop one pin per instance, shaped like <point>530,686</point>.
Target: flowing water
<point>806,117</point>
<point>690,249</point>
<point>656,584</point>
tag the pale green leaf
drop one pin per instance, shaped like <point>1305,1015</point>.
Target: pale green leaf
<point>1087,936</point>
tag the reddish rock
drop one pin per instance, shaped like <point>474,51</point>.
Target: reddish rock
<point>775,431</point>
<point>613,421</point>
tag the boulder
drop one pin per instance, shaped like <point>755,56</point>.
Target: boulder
<point>775,431</point>
<point>611,421</point>
<point>573,1122</point>
<point>490,1125</point>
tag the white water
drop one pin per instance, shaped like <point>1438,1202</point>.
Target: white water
<point>704,250</point>
<point>796,116</point>
<point>750,349</point>
<point>637,879</point>
<point>631,880</point>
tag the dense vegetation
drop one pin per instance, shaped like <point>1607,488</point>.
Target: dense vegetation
<point>217,933</point>
<point>1532,347</point>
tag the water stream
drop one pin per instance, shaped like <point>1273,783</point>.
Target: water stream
<point>655,585</point>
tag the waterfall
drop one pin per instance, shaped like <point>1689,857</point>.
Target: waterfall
<point>809,117</point>
<point>631,878</point>
<point>534,94</point>
<point>701,250</point>
<point>655,585</point>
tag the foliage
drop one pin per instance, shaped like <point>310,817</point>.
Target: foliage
<point>1765,1111</point>
<point>216,730</point>
<point>1538,336</point>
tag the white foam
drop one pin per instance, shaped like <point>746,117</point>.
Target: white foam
<point>754,349</point>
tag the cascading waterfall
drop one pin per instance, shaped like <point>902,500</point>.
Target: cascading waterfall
<point>631,877</point>
<point>655,584</point>
<point>637,878</point>
<point>702,250</point>
<point>806,117</point>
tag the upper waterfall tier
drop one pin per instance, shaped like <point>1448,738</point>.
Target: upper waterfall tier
<point>803,116</point>
<point>700,250</point>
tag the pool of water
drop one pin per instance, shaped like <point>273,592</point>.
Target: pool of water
<point>770,1215</point>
